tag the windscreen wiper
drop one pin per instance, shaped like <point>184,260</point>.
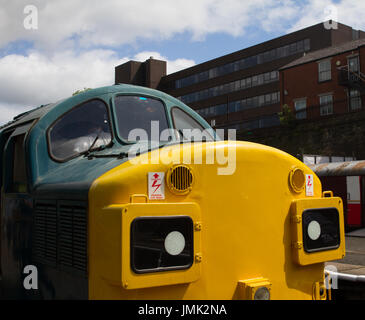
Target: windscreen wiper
<point>102,147</point>
<point>122,155</point>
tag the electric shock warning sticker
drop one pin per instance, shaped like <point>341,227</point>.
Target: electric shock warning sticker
<point>156,185</point>
<point>309,185</point>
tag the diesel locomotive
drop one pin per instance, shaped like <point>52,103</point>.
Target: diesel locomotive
<point>109,194</point>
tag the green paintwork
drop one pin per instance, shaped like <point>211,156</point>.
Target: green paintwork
<point>76,175</point>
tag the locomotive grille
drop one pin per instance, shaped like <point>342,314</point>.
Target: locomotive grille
<point>72,236</point>
<point>180,179</point>
<point>60,234</point>
<point>45,233</point>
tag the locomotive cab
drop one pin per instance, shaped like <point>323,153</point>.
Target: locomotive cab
<point>124,192</point>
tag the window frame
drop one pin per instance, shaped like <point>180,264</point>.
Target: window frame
<point>351,98</point>
<point>173,120</point>
<point>326,104</point>
<point>205,129</point>
<point>302,110</point>
<point>326,71</point>
<point>48,132</point>
<point>350,72</point>
<point>129,94</point>
<point>354,57</point>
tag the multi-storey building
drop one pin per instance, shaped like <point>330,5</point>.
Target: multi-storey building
<point>325,82</point>
<point>240,90</point>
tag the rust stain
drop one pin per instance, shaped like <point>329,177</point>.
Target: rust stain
<point>320,167</point>
<point>341,167</point>
<point>360,165</point>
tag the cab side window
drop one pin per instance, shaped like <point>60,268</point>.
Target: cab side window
<point>187,127</point>
<point>14,159</point>
<point>19,181</point>
<point>84,128</point>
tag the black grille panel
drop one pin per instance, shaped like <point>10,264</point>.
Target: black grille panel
<point>60,234</point>
<point>73,236</point>
<point>45,232</point>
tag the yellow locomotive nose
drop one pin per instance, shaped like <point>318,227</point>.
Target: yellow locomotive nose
<point>173,229</point>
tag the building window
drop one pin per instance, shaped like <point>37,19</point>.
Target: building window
<point>324,70</point>
<point>307,44</point>
<point>300,108</point>
<point>355,34</point>
<point>326,104</point>
<point>248,82</point>
<point>354,100</point>
<point>261,101</point>
<point>290,49</point>
<point>354,68</point>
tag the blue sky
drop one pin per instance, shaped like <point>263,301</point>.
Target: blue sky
<point>211,47</point>
<point>73,45</point>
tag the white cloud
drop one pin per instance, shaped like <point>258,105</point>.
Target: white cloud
<point>35,79</point>
<point>9,111</point>
<point>172,65</point>
<point>315,11</point>
<point>76,23</point>
<point>64,55</point>
<point>115,22</point>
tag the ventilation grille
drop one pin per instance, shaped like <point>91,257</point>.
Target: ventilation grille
<point>60,234</point>
<point>72,236</point>
<point>45,233</point>
<point>180,179</point>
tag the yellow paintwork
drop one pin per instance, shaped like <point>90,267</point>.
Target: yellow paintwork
<point>121,217</point>
<point>249,287</point>
<point>300,256</point>
<point>245,226</point>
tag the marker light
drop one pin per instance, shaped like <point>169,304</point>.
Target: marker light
<point>174,243</point>
<point>321,229</point>
<point>161,243</point>
<point>314,230</point>
<point>262,293</point>
<point>297,180</point>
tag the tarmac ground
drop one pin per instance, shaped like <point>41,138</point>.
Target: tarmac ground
<point>351,269</point>
<point>354,261</point>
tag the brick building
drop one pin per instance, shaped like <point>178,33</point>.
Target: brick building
<point>325,82</point>
<point>240,90</point>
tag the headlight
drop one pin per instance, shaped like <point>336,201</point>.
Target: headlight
<point>262,293</point>
<point>321,229</point>
<point>161,243</point>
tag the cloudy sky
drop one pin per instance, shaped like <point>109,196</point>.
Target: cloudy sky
<point>49,49</point>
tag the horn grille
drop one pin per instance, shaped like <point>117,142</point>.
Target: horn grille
<point>180,179</point>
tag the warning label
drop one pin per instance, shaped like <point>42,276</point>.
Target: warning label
<point>309,185</point>
<point>156,185</point>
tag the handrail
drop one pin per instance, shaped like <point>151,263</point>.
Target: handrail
<point>358,74</point>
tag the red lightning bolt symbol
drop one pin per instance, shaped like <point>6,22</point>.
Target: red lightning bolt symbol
<point>154,184</point>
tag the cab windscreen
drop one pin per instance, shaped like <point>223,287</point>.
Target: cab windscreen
<point>161,243</point>
<point>321,229</point>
